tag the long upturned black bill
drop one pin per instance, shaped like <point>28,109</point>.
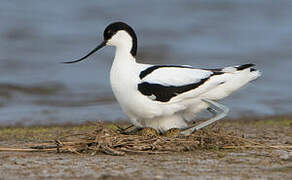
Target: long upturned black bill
<point>90,53</point>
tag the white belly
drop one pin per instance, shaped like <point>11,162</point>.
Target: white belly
<point>124,85</point>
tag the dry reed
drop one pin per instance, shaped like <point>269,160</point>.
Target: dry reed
<point>109,141</point>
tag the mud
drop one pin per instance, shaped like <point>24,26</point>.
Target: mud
<point>199,165</point>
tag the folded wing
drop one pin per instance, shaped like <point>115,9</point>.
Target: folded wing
<point>163,83</point>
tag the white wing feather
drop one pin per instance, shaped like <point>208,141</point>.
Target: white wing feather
<point>175,76</point>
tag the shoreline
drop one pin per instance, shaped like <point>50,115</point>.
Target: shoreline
<point>248,118</point>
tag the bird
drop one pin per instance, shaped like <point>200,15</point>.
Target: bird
<point>165,97</point>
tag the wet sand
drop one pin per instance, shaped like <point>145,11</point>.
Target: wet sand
<point>244,163</point>
<point>199,165</point>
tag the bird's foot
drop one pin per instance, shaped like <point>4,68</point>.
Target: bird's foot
<point>126,130</point>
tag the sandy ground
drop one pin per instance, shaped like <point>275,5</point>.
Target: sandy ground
<point>264,163</point>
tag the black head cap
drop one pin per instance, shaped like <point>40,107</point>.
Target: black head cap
<point>113,28</point>
<point>109,31</point>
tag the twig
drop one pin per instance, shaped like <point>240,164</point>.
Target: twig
<point>24,149</point>
<point>257,146</point>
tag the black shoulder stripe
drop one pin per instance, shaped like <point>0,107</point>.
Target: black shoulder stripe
<point>153,68</point>
<point>165,93</point>
<point>244,66</point>
<point>214,70</point>
<point>217,73</point>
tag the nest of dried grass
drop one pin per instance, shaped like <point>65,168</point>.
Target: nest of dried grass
<point>109,141</point>
<point>106,140</point>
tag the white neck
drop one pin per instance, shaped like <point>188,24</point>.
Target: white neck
<point>123,55</point>
<point>123,69</point>
<point>124,64</point>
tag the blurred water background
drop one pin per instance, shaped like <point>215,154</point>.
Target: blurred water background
<point>36,35</point>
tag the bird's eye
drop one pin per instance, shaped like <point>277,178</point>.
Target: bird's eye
<point>109,32</point>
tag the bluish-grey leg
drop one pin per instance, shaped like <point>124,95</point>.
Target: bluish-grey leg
<point>219,111</point>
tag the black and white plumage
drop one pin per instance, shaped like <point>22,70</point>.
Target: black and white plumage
<point>164,82</point>
<point>167,96</point>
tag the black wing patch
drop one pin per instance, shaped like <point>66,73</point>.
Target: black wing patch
<point>153,68</point>
<point>165,93</point>
<point>214,69</point>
